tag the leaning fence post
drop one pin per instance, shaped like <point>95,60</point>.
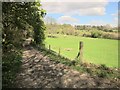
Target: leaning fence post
<point>49,47</point>
<point>59,52</point>
<point>81,51</point>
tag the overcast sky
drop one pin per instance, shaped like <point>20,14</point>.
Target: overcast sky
<point>94,12</point>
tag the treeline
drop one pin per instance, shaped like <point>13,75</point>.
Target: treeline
<point>103,31</point>
<point>60,29</point>
<point>21,20</point>
<point>106,28</point>
<point>107,31</point>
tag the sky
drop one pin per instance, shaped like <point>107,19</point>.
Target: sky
<point>82,12</point>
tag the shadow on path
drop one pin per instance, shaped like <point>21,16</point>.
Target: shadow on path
<point>38,71</point>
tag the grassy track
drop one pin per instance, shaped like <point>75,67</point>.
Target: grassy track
<point>98,51</point>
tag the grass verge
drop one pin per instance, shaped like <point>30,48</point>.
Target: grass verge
<point>101,70</point>
<point>11,62</point>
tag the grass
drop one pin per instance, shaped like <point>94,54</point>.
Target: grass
<point>98,51</point>
<point>101,71</point>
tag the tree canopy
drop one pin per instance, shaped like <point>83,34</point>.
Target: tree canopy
<point>21,20</point>
<point>18,18</point>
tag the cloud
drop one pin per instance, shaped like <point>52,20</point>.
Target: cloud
<point>67,20</point>
<point>75,7</point>
<point>98,22</point>
<point>116,16</point>
<point>115,20</point>
<point>76,0</point>
<point>101,22</point>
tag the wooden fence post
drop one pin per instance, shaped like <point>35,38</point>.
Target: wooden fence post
<point>49,47</point>
<point>81,51</point>
<point>59,52</point>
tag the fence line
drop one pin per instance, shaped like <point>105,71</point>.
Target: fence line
<point>79,55</point>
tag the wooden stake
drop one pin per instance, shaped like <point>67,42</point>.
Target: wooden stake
<point>49,47</point>
<point>81,51</point>
<point>59,52</point>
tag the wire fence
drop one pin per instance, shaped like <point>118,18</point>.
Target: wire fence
<point>58,50</point>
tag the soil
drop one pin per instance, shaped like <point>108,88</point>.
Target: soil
<point>38,71</point>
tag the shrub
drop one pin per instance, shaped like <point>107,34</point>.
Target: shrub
<point>76,34</point>
<point>96,34</point>
<point>10,66</point>
<point>103,67</point>
<point>107,36</point>
<point>86,35</point>
<point>52,36</point>
<point>102,74</point>
<point>89,70</point>
<point>110,36</point>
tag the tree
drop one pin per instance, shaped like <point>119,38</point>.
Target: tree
<point>50,20</point>
<point>107,27</point>
<point>18,17</point>
<point>20,20</point>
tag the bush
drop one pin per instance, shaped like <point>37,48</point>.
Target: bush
<point>76,34</point>
<point>107,36</point>
<point>96,34</point>
<point>102,74</point>
<point>10,66</point>
<point>86,35</point>
<point>52,36</point>
<point>110,36</point>
<point>103,67</point>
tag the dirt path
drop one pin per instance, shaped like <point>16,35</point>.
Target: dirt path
<point>38,71</point>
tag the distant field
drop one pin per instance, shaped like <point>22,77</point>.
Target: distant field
<point>98,51</point>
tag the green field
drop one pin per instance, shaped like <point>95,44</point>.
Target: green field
<point>98,51</point>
